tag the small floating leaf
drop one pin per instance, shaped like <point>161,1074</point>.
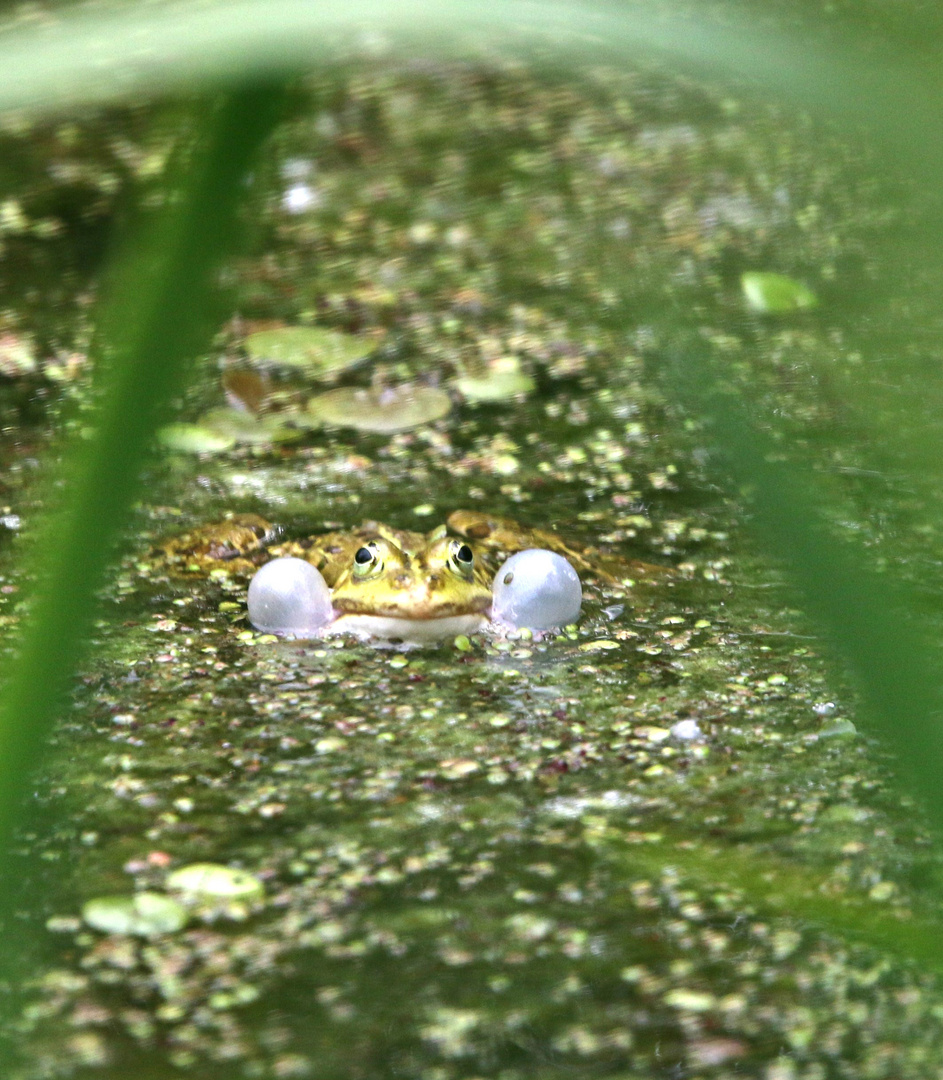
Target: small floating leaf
<point>383,410</point>
<point>773,294</point>
<point>502,380</point>
<point>144,914</point>
<point>247,428</point>
<point>296,419</point>
<point>216,881</point>
<point>840,728</point>
<point>603,645</point>
<point>316,351</point>
<point>194,439</point>
<point>458,768</point>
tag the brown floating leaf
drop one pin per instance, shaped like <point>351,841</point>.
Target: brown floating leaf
<point>246,390</point>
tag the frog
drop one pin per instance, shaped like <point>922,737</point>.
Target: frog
<point>237,545</point>
<point>397,584</point>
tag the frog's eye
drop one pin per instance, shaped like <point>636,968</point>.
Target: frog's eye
<point>367,560</point>
<point>461,557</point>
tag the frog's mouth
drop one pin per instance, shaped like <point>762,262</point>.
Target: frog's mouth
<point>392,628</point>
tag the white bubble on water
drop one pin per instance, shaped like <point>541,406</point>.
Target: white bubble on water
<point>687,730</point>
<point>537,589</point>
<point>289,596</point>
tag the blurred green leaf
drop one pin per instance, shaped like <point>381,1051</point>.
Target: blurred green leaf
<point>788,887</point>
<point>248,429</point>
<point>214,880</point>
<point>153,321</point>
<point>865,616</point>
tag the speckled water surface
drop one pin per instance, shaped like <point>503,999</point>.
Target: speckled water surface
<point>568,856</point>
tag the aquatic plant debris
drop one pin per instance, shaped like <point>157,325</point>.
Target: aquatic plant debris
<point>246,390</point>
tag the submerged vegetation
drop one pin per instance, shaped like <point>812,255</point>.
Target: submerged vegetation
<point>661,841</point>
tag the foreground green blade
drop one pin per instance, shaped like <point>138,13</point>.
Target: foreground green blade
<point>861,614</point>
<point>154,320</point>
<point>88,57</point>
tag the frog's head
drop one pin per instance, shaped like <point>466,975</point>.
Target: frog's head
<point>418,592</point>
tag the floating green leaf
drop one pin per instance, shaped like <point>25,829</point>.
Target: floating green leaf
<point>383,410</point>
<point>317,352</point>
<point>213,880</point>
<point>144,914</point>
<point>194,439</point>
<point>247,428</point>
<point>499,382</point>
<point>774,294</point>
<point>840,728</point>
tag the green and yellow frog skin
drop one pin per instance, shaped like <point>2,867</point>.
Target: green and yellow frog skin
<point>394,583</point>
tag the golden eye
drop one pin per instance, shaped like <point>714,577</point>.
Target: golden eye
<point>366,560</point>
<point>461,557</point>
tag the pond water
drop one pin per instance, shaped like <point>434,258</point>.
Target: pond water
<point>643,846</point>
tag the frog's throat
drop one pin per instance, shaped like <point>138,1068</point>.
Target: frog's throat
<point>419,630</point>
